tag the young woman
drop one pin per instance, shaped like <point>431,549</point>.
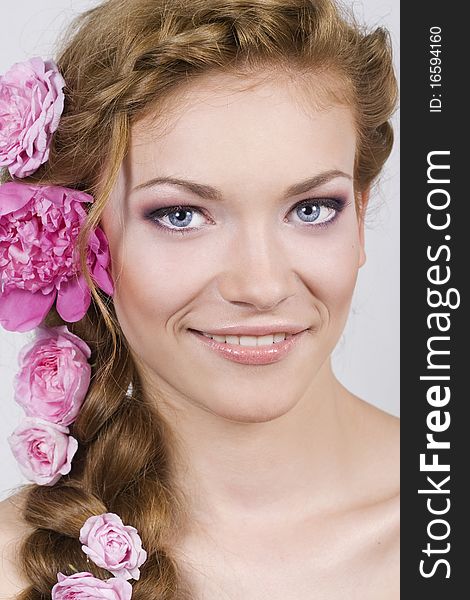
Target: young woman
<point>230,147</point>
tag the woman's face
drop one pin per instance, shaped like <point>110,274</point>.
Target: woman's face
<point>266,239</point>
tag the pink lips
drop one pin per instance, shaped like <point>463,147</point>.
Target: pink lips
<point>251,355</point>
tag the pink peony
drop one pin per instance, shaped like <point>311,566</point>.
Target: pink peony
<point>84,586</point>
<point>39,259</point>
<point>31,104</point>
<point>54,375</point>
<point>112,545</point>
<point>43,450</point>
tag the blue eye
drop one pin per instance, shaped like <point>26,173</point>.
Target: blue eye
<point>318,212</point>
<point>179,218</point>
<point>310,212</point>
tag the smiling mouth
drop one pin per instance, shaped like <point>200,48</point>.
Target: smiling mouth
<point>250,350</point>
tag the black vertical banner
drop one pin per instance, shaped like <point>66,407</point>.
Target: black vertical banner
<point>435,325</point>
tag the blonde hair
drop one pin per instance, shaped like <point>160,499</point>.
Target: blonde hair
<point>120,61</point>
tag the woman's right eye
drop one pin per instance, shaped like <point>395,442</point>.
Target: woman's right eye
<point>175,219</point>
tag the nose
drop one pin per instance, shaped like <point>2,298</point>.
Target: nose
<point>257,271</point>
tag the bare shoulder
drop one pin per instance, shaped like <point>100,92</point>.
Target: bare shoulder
<point>374,444</point>
<point>12,531</point>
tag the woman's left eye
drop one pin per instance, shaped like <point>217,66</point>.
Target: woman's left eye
<point>318,212</point>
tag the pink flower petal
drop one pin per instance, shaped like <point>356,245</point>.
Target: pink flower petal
<point>21,310</point>
<point>73,299</point>
<point>14,196</point>
<point>103,279</point>
<point>99,257</point>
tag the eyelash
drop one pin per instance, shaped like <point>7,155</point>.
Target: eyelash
<point>336,204</point>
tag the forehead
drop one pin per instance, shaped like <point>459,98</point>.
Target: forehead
<point>221,122</point>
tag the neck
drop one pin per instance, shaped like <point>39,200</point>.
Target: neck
<point>294,464</point>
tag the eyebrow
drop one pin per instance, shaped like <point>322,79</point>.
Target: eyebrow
<point>211,193</point>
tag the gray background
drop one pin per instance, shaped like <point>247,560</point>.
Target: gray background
<point>366,359</point>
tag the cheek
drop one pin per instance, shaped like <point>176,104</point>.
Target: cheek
<point>332,273</point>
<point>154,282</point>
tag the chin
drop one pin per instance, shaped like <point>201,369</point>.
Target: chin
<point>253,412</point>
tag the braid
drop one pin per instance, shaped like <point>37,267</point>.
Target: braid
<point>120,467</point>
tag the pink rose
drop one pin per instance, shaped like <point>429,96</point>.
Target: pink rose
<point>43,450</point>
<point>84,586</point>
<point>31,104</point>
<point>39,259</point>
<point>54,375</point>
<point>112,545</point>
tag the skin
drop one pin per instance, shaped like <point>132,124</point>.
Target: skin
<point>282,467</point>
<point>245,264</point>
<point>291,481</point>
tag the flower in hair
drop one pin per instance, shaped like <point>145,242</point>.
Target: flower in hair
<point>31,104</point>
<point>54,375</point>
<point>112,545</point>
<point>39,258</point>
<point>43,450</point>
<point>84,586</point>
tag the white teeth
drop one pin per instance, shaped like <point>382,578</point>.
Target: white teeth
<point>249,340</point>
<point>269,339</point>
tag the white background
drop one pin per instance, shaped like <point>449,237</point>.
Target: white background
<point>366,359</point>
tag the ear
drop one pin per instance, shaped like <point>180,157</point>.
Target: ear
<point>361,203</point>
